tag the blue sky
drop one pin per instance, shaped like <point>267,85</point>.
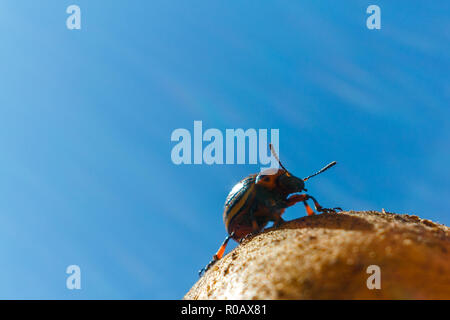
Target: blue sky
<point>86,116</point>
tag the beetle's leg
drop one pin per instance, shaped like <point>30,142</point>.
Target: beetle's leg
<point>277,219</point>
<point>247,236</point>
<point>217,256</point>
<point>255,227</point>
<point>300,198</point>
<point>324,210</point>
<point>296,198</point>
<point>309,211</point>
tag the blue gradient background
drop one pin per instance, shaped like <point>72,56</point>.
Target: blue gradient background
<point>86,116</point>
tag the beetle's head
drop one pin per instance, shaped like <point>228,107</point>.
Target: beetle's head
<point>291,183</point>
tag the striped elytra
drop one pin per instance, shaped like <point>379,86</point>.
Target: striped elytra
<point>238,200</point>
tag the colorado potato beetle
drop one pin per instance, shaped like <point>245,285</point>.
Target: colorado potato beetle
<point>261,198</point>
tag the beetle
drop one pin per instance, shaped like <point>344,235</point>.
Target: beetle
<point>261,198</point>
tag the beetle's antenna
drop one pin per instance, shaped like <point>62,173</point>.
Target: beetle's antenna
<point>272,149</point>
<point>328,166</point>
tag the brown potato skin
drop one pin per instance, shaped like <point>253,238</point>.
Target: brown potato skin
<point>326,257</point>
